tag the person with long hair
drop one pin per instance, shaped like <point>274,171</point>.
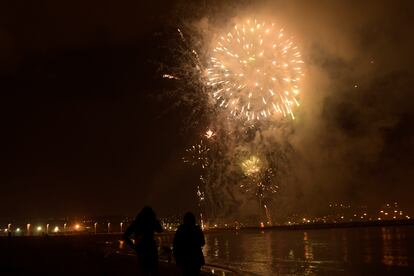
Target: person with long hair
<point>142,229</point>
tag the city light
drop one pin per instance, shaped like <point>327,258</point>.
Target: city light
<point>336,213</point>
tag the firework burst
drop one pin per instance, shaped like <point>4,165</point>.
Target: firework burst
<point>260,179</point>
<point>209,134</point>
<point>251,166</point>
<point>255,71</point>
<point>197,155</point>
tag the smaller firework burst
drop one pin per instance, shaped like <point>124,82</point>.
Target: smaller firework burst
<point>267,182</point>
<point>197,155</point>
<point>260,179</point>
<point>209,134</point>
<point>251,166</point>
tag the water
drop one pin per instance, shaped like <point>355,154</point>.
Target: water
<point>346,251</point>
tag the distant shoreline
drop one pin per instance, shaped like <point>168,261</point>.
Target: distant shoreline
<point>310,226</point>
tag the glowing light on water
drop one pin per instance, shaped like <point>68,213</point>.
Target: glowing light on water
<point>255,71</point>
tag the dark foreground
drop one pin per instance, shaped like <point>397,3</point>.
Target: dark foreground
<point>70,255</point>
<point>379,250</point>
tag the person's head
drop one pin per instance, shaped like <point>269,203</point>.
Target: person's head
<point>189,219</point>
<point>146,213</point>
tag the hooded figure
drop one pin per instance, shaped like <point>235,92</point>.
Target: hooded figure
<point>187,247</point>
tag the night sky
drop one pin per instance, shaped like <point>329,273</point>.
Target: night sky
<point>84,127</point>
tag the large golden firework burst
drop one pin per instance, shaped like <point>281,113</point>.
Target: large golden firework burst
<point>255,71</point>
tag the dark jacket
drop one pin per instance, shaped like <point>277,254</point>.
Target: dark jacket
<point>188,241</point>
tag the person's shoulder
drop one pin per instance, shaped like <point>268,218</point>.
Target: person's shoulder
<point>198,227</point>
<point>181,228</point>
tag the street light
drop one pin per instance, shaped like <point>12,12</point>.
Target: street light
<point>109,227</point>
<point>94,226</point>
<point>121,224</point>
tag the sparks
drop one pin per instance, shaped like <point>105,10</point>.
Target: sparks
<point>209,134</point>
<point>251,60</point>
<point>197,155</point>
<point>168,76</point>
<point>251,166</point>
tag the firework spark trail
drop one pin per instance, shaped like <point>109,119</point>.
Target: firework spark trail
<point>168,76</point>
<point>199,65</point>
<point>268,215</point>
<point>255,71</point>
<point>194,54</point>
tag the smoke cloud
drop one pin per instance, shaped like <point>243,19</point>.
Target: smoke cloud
<point>351,141</point>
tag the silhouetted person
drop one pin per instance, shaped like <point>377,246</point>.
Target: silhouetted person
<point>143,228</point>
<point>188,241</point>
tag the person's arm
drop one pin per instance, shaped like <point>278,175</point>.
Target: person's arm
<point>175,243</point>
<point>202,240</point>
<point>176,246</point>
<point>127,234</point>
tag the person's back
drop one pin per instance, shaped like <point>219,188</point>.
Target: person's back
<point>143,228</point>
<point>188,243</point>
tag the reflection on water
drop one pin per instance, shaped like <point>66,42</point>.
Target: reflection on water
<point>348,251</point>
<point>394,255</point>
